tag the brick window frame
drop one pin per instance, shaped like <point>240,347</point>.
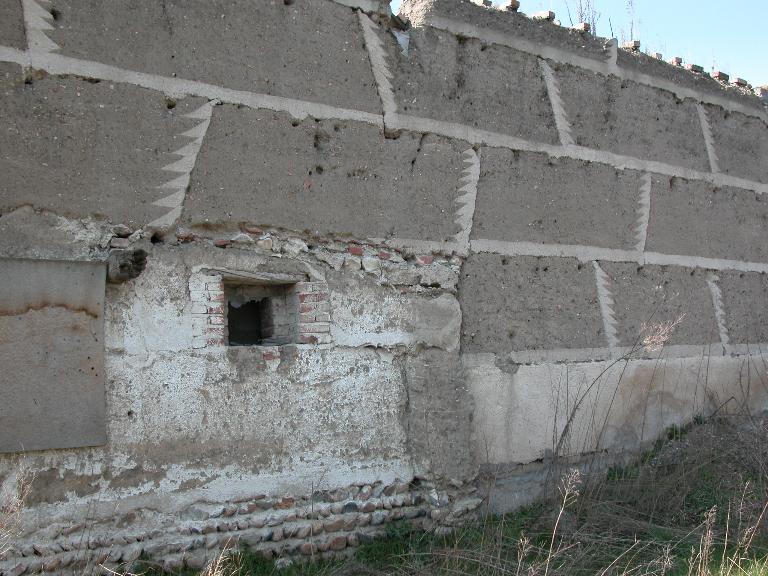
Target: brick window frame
<point>207,289</point>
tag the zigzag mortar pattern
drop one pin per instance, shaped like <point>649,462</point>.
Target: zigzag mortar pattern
<point>183,166</point>
<point>465,204</point>
<point>561,119</point>
<point>709,139</point>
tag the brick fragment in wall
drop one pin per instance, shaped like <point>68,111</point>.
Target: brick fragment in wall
<point>326,177</point>
<point>745,304</point>
<point>699,219</point>
<point>481,87</point>
<point>111,145</point>
<point>740,142</point>
<point>555,200</point>
<point>656,294</point>
<point>529,303</point>
<point>627,118</point>
<point>286,55</point>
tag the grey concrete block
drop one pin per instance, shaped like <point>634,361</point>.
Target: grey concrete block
<point>627,118</point>
<point>745,302</point>
<point>741,143</point>
<point>438,414</point>
<point>80,148</point>
<point>645,64</point>
<point>653,294</point>
<point>12,24</point>
<point>325,177</point>
<point>533,198</point>
<point>52,345</point>
<point>698,219</point>
<point>523,303</point>
<point>515,24</point>
<point>311,50</point>
<point>487,86</point>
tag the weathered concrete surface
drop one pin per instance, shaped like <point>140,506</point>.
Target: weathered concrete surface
<point>699,219</point>
<point>745,300</point>
<point>79,148</point>
<point>516,24</point>
<point>632,119</point>
<point>324,177</point>
<point>547,409</point>
<point>29,233</point>
<point>653,294</point>
<point>52,347</point>
<point>12,24</point>
<point>311,50</point>
<point>523,303</point>
<point>438,414</point>
<point>365,314</point>
<point>479,85</point>
<point>741,143</point>
<point>534,198</point>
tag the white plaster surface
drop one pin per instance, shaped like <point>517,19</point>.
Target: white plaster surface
<point>609,405</point>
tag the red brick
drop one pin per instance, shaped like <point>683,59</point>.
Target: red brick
<point>314,327</point>
<point>215,320</point>
<point>221,243</point>
<point>215,342</point>
<point>313,297</point>
<point>355,250</point>
<point>270,356</point>
<point>217,297</point>
<point>215,310</point>
<point>308,339</point>
<point>385,255</point>
<point>425,259</point>
<point>214,330</point>
<point>308,307</point>
<point>249,229</point>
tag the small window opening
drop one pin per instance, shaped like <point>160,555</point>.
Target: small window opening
<point>261,315</point>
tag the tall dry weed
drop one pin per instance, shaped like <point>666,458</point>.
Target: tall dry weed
<point>13,493</point>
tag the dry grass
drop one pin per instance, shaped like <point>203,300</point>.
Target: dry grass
<point>13,493</point>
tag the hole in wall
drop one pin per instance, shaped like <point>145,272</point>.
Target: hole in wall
<point>261,315</point>
<point>156,238</point>
<point>170,103</point>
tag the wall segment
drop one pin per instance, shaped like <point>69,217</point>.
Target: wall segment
<point>477,228</point>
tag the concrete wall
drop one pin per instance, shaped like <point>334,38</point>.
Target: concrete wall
<point>481,217</point>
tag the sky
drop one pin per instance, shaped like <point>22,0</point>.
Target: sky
<point>731,37</point>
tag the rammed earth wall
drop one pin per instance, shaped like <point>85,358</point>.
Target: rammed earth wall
<point>474,216</point>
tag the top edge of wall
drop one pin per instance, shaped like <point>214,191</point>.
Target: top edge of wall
<point>578,47</point>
